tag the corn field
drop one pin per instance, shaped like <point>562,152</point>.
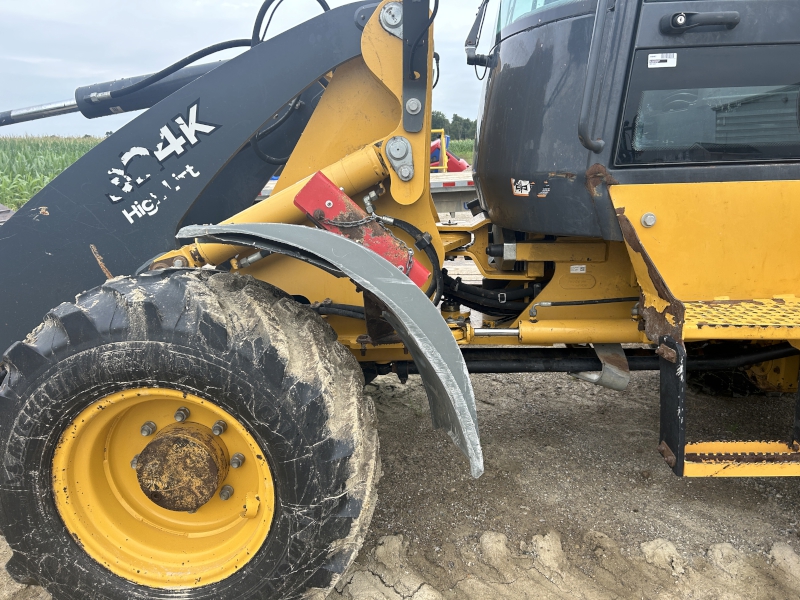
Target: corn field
<point>463,149</point>
<point>27,164</point>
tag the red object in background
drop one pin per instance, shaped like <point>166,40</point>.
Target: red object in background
<point>332,209</point>
<point>454,163</point>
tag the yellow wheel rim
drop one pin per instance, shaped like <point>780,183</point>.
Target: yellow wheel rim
<point>98,496</point>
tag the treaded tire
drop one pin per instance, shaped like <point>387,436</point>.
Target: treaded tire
<point>232,340</point>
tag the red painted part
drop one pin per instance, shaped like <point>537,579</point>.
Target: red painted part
<point>331,209</point>
<point>454,163</point>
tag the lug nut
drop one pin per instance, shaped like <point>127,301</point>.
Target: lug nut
<point>219,427</point>
<point>181,414</point>
<point>148,428</point>
<point>179,262</point>
<point>237,460</point>
<point>226,492</point>
<point>135,462</point>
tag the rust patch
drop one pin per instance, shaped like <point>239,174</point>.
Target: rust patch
<point>743,458</point>
<point>562,175</point>
<point>595,175</point>
<point>379,330</point>
<point>669,456</point>
<point>667,353</point>
<point>656,324</point>
<point>182,468</point>
<point>100,262</point>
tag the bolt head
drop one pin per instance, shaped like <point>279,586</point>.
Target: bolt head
<point>392,15</point>
<point>226,492</point>
<point>179,262</point>
<point>328,204</point>
<point>648,220</point>
<point>397,149</point>
<point>413,106</point>
<point>219,428</point>
<point>405,173</point>
<point>149,428</point>
<point>135,462</point>
<point>181,414</point>
<point>237,460</point>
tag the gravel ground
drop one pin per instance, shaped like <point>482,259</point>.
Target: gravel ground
<point>575,501</point>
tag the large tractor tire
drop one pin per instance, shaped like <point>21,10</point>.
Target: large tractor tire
<point>184,434</point>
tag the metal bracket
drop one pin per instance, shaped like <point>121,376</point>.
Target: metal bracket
<point>416,14</point>
<point>672,385</point>
<point>392,19</point>
<point>400,156</point>
<point>415,319</point>
<point>616,373</point>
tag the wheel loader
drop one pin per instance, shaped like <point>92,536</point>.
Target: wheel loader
<point>181,394</point>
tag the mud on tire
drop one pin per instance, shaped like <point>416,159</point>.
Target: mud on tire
<point>235,342</point>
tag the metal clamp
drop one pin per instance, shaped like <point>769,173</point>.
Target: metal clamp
<point>398,151</point>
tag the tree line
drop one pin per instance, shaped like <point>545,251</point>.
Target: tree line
<point>459,128</point>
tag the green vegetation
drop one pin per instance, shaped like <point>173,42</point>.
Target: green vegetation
<point>463,149</point>
<point>27,164</point>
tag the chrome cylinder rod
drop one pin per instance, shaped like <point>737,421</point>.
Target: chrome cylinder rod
<point>491,332</point>
<point>42,111</point>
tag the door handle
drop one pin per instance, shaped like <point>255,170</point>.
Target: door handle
<point>679,23</point>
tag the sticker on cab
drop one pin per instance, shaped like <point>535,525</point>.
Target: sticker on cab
<point>661,61</point>
<point>521,187</point>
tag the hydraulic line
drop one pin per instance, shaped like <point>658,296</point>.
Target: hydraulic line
<point>262,12</point>
<point>423,33</point>
<point>147,81</point>
<point>423,242</point>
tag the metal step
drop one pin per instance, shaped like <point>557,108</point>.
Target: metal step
<point>741,459</point>
<point>774,318</point>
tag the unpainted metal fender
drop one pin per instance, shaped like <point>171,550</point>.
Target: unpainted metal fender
<point>416,320</point>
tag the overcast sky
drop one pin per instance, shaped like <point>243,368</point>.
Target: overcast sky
<point>50,47</point>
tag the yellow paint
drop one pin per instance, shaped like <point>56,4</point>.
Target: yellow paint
<point>98,497</point>
<point>709,465</point>
<point>735,239</point>
<point>442,151</point>
<point>759,319</point>
<point>776,375</point>
<point>566,251</point>
<point>580,331</point>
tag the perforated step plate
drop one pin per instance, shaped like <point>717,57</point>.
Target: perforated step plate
<point>773,318</point>
<point>741,459</point>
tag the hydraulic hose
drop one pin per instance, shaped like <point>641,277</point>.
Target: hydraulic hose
<point>423,33</point>
<point>173,68</point>
<point>262,12</point>
<point>423,243</point>
<point>515,294</point>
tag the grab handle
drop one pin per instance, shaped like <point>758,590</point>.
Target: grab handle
<point>584,135</point>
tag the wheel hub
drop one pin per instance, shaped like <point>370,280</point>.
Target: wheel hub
<point>182,467</point>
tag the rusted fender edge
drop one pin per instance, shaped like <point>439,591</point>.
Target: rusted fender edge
<point>411,313</point>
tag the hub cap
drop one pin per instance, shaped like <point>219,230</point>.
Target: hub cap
<point>162,524</point>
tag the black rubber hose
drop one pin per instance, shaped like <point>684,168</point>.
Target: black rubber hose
<point>436,286</point>
<point>262,12</point>
<point>515,294</point>
<point>484,309</point>
<point>262,134</point>
<point>178,66</point>
<point>264,156</point>
<point>423,33</point>
<point>336,312</point>
<point>515,307</point>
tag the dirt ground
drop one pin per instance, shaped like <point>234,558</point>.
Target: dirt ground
<point>575,503</point>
